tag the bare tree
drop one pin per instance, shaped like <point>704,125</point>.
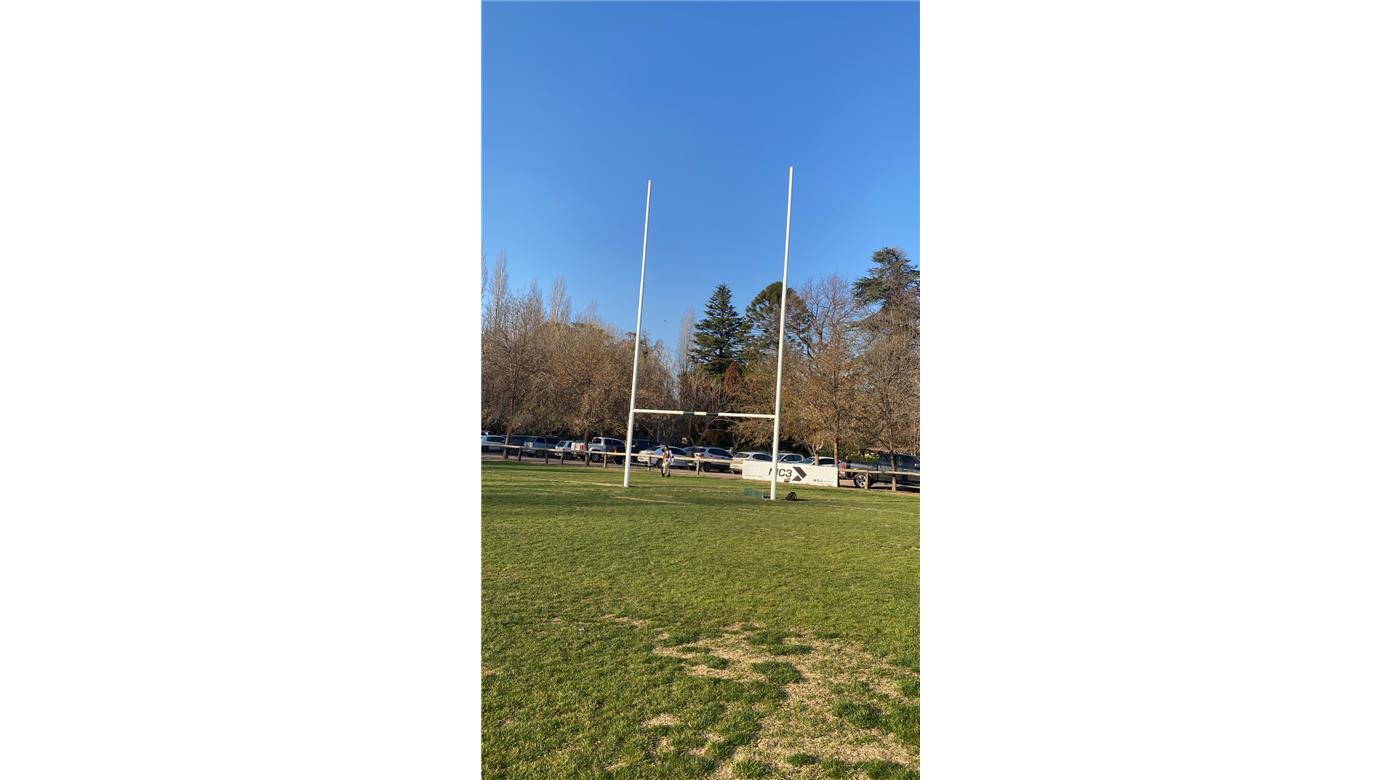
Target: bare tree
<point>590,314</point>
<point>755,395</point>
<point>699,391</point>
<point>497,294</point>
<point>687,335</point>
<point>558,302</point>
<point>825,375</point>
<point>512,342</point>
<point>890,391</point>
<point>890,353</point>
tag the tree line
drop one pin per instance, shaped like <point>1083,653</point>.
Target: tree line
<point>850,366</point>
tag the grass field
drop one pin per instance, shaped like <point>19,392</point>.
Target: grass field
<point>681,629</point>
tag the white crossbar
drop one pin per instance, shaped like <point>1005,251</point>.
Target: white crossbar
<point>684,412</point>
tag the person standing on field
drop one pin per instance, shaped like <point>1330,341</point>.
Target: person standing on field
<point>665,461</point>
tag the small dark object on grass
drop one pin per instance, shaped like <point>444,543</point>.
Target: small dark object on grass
<point>754,492</point>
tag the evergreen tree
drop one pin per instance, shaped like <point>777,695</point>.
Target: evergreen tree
<point>892,287</point>
<point>891,350</point>
<point>719,336</point>
<point>761,320</point>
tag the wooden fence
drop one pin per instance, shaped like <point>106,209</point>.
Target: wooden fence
<point>648,461</point>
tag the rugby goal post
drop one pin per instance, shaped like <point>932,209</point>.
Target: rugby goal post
<point>776,416</point>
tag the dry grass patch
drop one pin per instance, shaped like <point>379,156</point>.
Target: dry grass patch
<point>664,719</point>
<point>807,723</point>
<point>834,704</point>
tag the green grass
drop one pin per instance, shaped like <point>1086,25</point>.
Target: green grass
<point>712,661</point>
<point>604,613</point>
<point>778,672</point>
<point>909,688</point>
<point>749,768</point>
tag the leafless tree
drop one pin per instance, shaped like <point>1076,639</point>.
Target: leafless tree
<point>558,302</point>
<point>512,341</point>
<point>825,376</point>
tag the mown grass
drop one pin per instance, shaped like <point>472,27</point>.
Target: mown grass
<point>570,687</point>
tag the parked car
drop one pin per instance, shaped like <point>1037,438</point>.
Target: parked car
<point>640,446</point>
<point>578,449</point>
<point>490,443</point>
<point>652,456</point>
<point>710,454</point>
<point>843,468</point>
<point>566,447</point>
<point>736,463</point>
<point>536,446</point>
<point>604,446</point>
<point>883,471</point>
<point>789,457</point>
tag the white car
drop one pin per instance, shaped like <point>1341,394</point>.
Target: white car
<point>490,443</point>
<point>736,464</point>
<point>652,456</point>
<point>710,455</point>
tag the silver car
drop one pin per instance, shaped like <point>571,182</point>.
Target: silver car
<point>710,454</point>
<point>736,463</point>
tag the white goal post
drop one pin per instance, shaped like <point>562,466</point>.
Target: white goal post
<point>776,416</point>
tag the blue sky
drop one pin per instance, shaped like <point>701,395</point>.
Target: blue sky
<point>583,102</point>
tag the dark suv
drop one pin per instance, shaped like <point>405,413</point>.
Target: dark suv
<point>536,445</point>
<point>906,465</point>
<point>639,448</point>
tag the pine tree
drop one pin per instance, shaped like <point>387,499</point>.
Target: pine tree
<point>719,336</point>
<point>892,287</point>
<point>761,320</point>
<point>891,350</point>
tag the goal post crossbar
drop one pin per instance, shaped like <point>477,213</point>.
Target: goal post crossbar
<point>688,412</point>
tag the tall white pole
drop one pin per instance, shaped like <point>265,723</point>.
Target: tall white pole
<point>637,346</point>
<point>782,324</point>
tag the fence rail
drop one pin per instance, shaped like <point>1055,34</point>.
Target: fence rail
<point>587,457</point>
<point>691,413</point>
